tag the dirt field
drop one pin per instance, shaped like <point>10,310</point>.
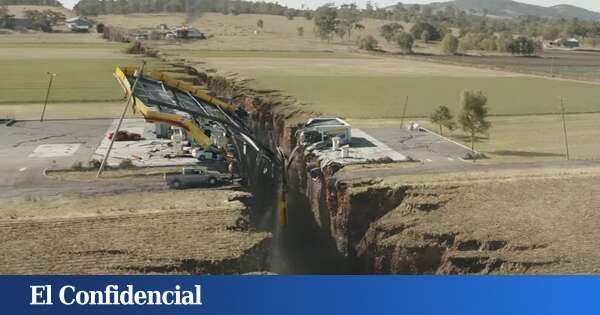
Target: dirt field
<point>147,232</point>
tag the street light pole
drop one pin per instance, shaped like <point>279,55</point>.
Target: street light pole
<point>404,112</point>
<point>52,75</point>
<point>138,75</point>
<point>564,123</point>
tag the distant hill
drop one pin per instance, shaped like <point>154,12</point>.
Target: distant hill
<point>513,9</point>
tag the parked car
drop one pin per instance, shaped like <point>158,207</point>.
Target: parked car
<point>193,177</point>
<point>208,155</point>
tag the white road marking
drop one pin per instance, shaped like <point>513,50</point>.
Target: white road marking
<point>450,159</point>
<point>429,160</point>
<point>55,150</point>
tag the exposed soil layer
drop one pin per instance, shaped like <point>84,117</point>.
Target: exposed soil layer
<point>523,226</point>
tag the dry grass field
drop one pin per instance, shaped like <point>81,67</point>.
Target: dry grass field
<point>145,232</point>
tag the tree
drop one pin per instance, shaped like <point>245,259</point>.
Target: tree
<point>6,19</point>
<point>450,44</point>
<point>442,117</point>
<point>367,43</point>
<point>405,41</point>
<point>325,21</point>
<point>260,24</point>
<point>426,36</point>
<point>44,20</point>
<point>523,46</point>
<point>341,28</point>
<point>473,114</point>
<point>308,15</point>
<point>420,27</point>
<point>390,30</point>
<point>351,15</point>
<point>290,14</point>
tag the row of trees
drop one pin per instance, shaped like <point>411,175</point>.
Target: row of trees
<point>330,20</point>
<point>472,117</point>
<point>95,7</point>
<point>40,20</point>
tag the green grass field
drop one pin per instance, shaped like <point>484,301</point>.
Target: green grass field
<point>308,54</point>
<point>77,80</point>
<point>383,97</point>
<point>83,45</point>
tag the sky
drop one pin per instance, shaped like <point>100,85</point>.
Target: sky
<point>593,5</point>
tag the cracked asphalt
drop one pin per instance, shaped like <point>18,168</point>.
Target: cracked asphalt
<point>22,175</point>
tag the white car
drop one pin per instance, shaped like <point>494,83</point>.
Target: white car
<point>203,155</point>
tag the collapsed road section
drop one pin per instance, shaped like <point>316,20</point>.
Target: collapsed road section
<point>211,122</point>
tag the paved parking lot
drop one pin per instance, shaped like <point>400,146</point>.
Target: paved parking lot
<point>423,146</point>
<point>29,147</point>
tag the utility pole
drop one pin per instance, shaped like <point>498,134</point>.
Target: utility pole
<point>404,112</point>
<point>562,107</point>
<point>138,75</point>
<point>52,75</point>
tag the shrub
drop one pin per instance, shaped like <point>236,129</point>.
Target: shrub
<point>450,44</point>
<point>367,43</point>
<point>405,41</point>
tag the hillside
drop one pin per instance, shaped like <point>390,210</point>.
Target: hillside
<point>513,9</point>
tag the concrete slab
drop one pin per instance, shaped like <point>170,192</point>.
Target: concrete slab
<point>363,149</point>
<point>424,146</point>
<point>55,150</point>
<point>148,152</point>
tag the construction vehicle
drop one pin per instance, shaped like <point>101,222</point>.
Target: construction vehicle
<point>194,177</point>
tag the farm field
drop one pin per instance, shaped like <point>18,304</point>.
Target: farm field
<point>581,65</point>
<point>364,96</point>
<point>79,80</point>
<point>84,86</point>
